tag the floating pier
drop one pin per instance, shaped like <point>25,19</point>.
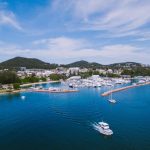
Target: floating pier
<point>123,88</point>
<point>56,91</point>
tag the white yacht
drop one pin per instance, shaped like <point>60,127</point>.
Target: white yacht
<point>141,81</point>
<point>99,84</point>
<point>134,84</point>
<point>103,128</point>
<point>71,85</point>
<point>109,84</point>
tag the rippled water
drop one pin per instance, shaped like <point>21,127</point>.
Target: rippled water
<point>45,121</point>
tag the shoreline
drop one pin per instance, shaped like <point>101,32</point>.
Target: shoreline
<point>37,83</point>
<point>25,85</point>
<point>13,92</point>
<point>123,88</point>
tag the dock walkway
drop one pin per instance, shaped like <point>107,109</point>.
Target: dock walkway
<point>55,91</point>
<point>123,88</point>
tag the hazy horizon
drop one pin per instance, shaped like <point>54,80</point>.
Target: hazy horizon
<point>65,31</point>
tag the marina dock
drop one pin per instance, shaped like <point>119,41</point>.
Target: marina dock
<point>56,91</point>
<point>123,88</point>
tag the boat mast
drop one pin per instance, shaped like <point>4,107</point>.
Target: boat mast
<point>111,94</point>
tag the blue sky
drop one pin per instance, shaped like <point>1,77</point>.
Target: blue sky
<point>63,31</point>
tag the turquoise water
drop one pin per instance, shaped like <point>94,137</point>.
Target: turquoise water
<point>45,121</point>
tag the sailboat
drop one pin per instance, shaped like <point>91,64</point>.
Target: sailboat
<point>111,100</point>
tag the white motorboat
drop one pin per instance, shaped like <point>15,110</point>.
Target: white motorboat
<point>134,84</point>
<point>103,128</point>
<point>71,85</point>
<point>141,81</point>
<point>99,85</point>
<point>109,84</point>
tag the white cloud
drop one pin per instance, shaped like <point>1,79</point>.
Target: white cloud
<point>106,54</point>
<point>65,50</point>
<point>62,43</point>
<point>11,50</point>
<point>8,18</point>
<point>114,16</point>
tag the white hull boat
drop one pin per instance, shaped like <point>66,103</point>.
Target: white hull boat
<point>103,128</point>
<point>23,97</point>
<point>112,100</point>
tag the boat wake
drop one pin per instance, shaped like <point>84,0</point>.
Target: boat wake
<point>96,127</point>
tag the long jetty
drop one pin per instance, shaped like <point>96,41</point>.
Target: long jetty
<point>56,91</point>
<point>124,88</point>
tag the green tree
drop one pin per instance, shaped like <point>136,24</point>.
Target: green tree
<point>139,71</point>
<point>112,75</point>
<point>31,79</point>
<point>7,77</point>
<point>43,79</point>
<point>16,86</point>
<point>56,77</point>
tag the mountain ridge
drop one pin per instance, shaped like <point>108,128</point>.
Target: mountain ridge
<point>31,63</point>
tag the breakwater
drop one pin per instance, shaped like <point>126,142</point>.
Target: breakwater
<point>124,88</point>
<point>55,91</point>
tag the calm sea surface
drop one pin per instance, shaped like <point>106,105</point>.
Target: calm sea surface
<point>45,121</point>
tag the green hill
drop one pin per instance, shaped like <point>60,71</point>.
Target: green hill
<point>84,64</point>
<point>123,65</point>
<point>29,63</point>
<point>126,65</point>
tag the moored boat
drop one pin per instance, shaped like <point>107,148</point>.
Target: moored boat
<point>111,100</point>
<point>23,97</point>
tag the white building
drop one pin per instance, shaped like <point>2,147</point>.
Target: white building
<point>109,71</point>
<point>73,71</point>
<point>83,70</point>
<point>101,71</point>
